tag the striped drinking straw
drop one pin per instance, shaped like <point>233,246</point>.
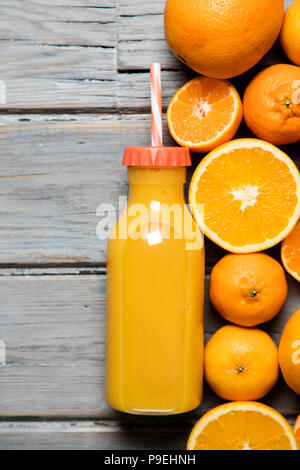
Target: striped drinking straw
<point>156,105</point>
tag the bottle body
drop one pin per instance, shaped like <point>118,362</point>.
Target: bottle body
<point>155,292</point>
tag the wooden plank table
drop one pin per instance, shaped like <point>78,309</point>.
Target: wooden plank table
<point>76,74</point>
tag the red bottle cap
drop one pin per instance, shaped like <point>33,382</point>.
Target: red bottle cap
<point>157,156</point>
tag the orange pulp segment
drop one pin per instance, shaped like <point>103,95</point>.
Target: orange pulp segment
<point>242,426</point>
<point>205,113</point>
<point>297,431</point>
<point>290,253</point>
<point>245,195</point>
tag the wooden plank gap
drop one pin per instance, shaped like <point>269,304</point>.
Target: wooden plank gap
<point>42,270</point>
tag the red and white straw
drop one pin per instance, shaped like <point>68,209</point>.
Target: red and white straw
<point>156,105</point>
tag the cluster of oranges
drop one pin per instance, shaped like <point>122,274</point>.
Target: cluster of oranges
<point>250,192</point>
<point>242,362</point>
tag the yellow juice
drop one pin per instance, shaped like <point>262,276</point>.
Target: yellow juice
<point>155,291</point>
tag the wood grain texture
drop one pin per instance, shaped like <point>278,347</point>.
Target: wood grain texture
<point>54,330</point>
<point>134,88</point>
<point>56,55</point>
<point>57,24</point>
<point>76,3</point>
<point>54,174</point>
<point>138,8</point>
<point>55,345</point>
<point>90,435</point>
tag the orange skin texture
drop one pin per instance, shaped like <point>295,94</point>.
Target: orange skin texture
<point>232,349</point>
<point>272,104</point>
<point>290,33</point>
<point>248,289</point>
<point>224,38</point>
<point>289,352</point>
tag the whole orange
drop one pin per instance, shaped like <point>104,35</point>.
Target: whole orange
<point>290,33</point>
<point>289,352</point>
<point>241,363</point>
<point>248,289</point>
<point>272,104</point>
<point>224,38</point>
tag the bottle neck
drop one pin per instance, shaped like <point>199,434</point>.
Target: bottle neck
<point>163,184</point>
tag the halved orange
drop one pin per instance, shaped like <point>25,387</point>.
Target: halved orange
<point>297,431</point>
<point>290,253</point>
<point>245,195</point>
<point>242,426</point>
<point>204,114</point>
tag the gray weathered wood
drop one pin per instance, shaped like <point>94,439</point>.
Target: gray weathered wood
<point>77,3</point>
<point>59,25</point>
<point>55,171</point>
<point>54,330</point>
<point>134,88</point>
<point>58,77</point>
<point>138,8</point>
<point>141,38</point>
<point>58,55</point>
<point>89,435</point>
<point>55,345</point>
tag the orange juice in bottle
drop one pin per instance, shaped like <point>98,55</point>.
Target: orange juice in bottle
<point>155,291</point>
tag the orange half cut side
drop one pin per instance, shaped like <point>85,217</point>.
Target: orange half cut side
<point>242,426</point>
<point>290,253</point>
<point>204,114</point>
<point>297,431</point>
<point>245,195</point>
